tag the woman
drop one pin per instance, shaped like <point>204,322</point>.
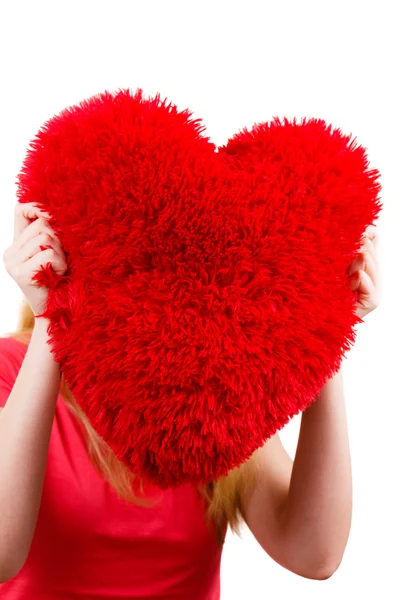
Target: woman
<point>73,523</point>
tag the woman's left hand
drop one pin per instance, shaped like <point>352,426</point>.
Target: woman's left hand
<point>364,274</point>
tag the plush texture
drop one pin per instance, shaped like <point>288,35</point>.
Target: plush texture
<point>206,300</point>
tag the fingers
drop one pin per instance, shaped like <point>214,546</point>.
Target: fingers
<point>362,282</point>
<point>364,273</point>
<point>366,284</point>
<point>56,260</point>
<point>32,246</point>
<point>24,214</point>
<point>372,233</point>
<point>367,259</point>
<point>368,295</point>
<point>34,228</point>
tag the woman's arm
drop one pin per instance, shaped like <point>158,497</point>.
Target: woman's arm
<point>25,426</point>
<point>316,518</point>
<point>300,511</point>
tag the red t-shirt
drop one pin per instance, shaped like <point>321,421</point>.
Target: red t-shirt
<point>90,544</point>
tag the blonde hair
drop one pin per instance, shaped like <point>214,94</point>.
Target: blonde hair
<point>223,497</point>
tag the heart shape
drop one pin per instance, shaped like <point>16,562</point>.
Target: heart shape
<point>206,300</point>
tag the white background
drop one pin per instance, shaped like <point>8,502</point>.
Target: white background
<point>234,64</point>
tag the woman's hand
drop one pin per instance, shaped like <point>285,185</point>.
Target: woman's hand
<point>35,244</point>
<point>364,274</point>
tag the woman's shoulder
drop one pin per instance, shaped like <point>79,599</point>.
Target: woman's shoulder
<point>14,341</point>
<point>12,347</point>
<point>12,351</point>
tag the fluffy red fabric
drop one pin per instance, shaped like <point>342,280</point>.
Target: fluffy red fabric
<point>206,300</point>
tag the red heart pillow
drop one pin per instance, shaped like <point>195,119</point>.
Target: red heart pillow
<point>206,300</point>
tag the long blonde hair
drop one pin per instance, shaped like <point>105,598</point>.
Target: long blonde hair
<point>223,497</point>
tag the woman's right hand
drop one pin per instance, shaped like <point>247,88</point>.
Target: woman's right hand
<point>35,244</point>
